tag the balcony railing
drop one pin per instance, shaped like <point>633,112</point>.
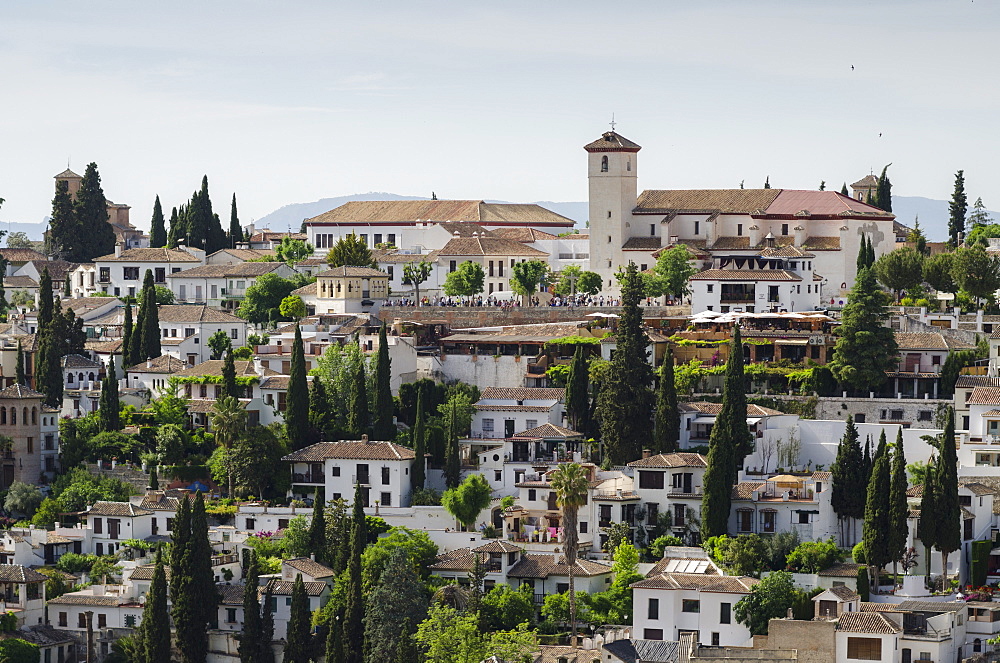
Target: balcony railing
<point>310,477</point>
<point>737,298</point>
<point>363,479</point>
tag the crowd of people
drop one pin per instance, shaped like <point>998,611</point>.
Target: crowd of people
<point>516,302</point>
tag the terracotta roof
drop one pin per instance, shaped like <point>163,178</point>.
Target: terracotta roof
<point>976,488</point>
<point>822,476</point>
<point>284,587</point>
<point>612,141</point>
<point>41,635</point>
<point>497,546</point>
<point>57,268</point>
<point>715,408</point>
<point>744,490</point>
<point>68,174</point>
<point>548,430</point>
<point>245,254</point>
<point>84,304</point>
<point>16,282</point>
<point>239,270</point>
<point>311,289</point>
<point>915,491</point>
<point>244,367</point>
<point>79,361</point>
<point>465,229</point>
<point>149,255</point>
<point>399,212</point>
<point>698,581</point>
<point>512,408</point>
<point>18,573</point>
<point>522,393</point>
<point>116,509</point>
<point>196,312</point>
<point>792,202</point>
<point>79,598</point>
<point>789,251</point>
<point>309,567</point>
<point>866,622</point>
<point>727,201</point>
<point>20,391</point>
<point>166,364</point>
<point>844,594</point>
<point>353,272</point>
<point>159,502</point>
<point>543,566</point>
<point>103,346</point>
<point>395,257</point>
<point>353,450</point>
<point>671,460</point>
<point>230,594</point>
<point>521,234</point>
<point>867,606</point>
<point>842,570</point>
<point>641,244</point>
<point>488,246</point>
<point>822,243</point>
<point>146,571</point>
<point>461,559</point>
<point>275,382</point>
<point>979,396</point>
<point>746,275</point>
<point>865,182</point>
<point>21,255</point>
<point>929,341</point>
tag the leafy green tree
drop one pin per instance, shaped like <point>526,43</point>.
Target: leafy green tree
<point>814,556</point>
<point>666,432</point>
<point>938,272</point>
<point>22,498</point>
<point>917,238</point>
<point>578,392</point>
<point>614,606</point>
<point>468,499</point>
<point>769,599</point>
<point>253,459</point>
<point>262,300</point>
<point>292,251</point>
<point>395,605</point>
<point>300,433</point>
<point>220,343</point>
<point>571,485</point>
<point>675,268</point>
<point>235,233</point>
<point>899,510</point>
<point>948,509</point>
<point>527,277</point>
<point>415,544</point>
<point>976,272</point>
<point>157,229</point>
<point>743,555</point>
<point>292,307</point>
<point>574,280</point>
<point>17,650</point>
<point>415,273</point>
<point>625,400</point>
<point>504,608</point>
<point>384,428</point>
<point>866,349</point>
<point>957,210</point>
<point>297,639</point>
<point>350,250</point>
<point>19,240</point>
<point>466,281</point>
<point>848,498</point>
<point>450,636</point>
<point>229,421</point>
<point>877,524</point>
<point>96,236</point>
<point>155,625</point>
<point>979,216</point>
<point>902,269</point>
<point>110,408</point>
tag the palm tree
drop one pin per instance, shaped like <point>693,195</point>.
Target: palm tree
<point>229,420</point>
<point>570,481</point>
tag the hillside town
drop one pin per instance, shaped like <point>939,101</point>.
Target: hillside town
<point>740,424</point>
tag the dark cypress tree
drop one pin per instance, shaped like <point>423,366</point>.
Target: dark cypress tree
<point>250,638</point>
<point>127,328</point>
<point>867,461</point>
<point>384,429</point>
<point>319,407</point>
<point>19,369</point>
<point>48,361</point>
<point>151,321</point>
<point>155,627</point>
<point>844,191</point>
<point>180,536</point>
<point>266,631</point>
<point>930,520</point>
<point>949,511</point>
<point>875,531</point>
<point>136,345</point>
<point>883,191</point>
<point>668,419</point>
<point>195,606</point>
<point>157,229</point>
<point>235,229</point>
<point>63,229</point>
<point>625,400</point>
<point>46,302</point>
<point>229,384</point>
<point>871,252</point>
<point>358,415</point>
<point>154,480</point>
<point>317,529</point>
<point>866,348</point>
<point>354,611</point>
<point>862,260</point>
<point>849,482</point>
<point>957,210</point>
<point>335,638</point>
<point>175,231</point>
<point>578,391</point>
<point>297,638</point>
<point>767,182</point>
<point>899,528</point>
<point>397,600</point>
<point>726,445</point>
<point>452,461</point>
<point>110,408</point>
<point>97,237</point>
<point>419,438</point>
<point>297,404</point>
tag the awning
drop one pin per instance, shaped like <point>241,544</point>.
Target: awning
<point>703,420</point>
<point>806,511</point>
<point>753,421</point>
<point>791,341</point>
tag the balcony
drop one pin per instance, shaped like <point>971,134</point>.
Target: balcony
<point>308,477</point>
<point>737,298</point>
<point>363,479</point>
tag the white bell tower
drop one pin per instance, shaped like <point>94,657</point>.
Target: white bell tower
<point>612,169</point>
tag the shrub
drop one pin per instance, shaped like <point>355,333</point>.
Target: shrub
<point>858,553</point>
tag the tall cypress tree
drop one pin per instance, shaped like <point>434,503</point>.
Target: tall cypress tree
<point>250,637</point>
<point>383,428</point>
<point>419,438</point>
<point>48,361</point>
<point>849,481</point>
<point>297,638</point>
<point>883,191</point>
<point>452,461</point>
<point>867,460</point>
<point>235,229</point>
<point>844,191</point>
<point>354,611</point>
<point>397,600</point>
<point>899,510</point>
<point>110,408</point>
<point>319,407</point>
<point>97,237</point>
<point>157,229</point>
<point>930,520</point>
<point>19,369</point>
<point>175,231</point>
<point>317,529</point>
<point>135,344</point>
<point>229,385</point>
<point>151,321</point>
<point>725,446</point>
<point>875,531</point>
<point>578,391</point>
<point>668,419</point>
<point>957,210</point>
<point>195,606</point>
<point>64,230</point>
<point>358,417</point>
<point>625,400</point>
<point>180,536</point>
<point>46,302</point>
<point>949,511</point>
<point>866,348</point>
<point>266,631</point>
<point>871,252</point>
<point>297,404</point>
<point>127,328</point>
<point>335,645</point>
<point>155,626</point>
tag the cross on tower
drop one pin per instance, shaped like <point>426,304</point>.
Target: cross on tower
<point>613,122</point>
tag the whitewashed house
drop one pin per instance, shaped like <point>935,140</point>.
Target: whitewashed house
<point>222,285</point>
<point>121,273</point>
<point>195,323</point>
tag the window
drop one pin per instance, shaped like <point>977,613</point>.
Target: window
<point>784,228</point>
<point>392,238</point>
<point>230,615</point>
<point>865,649</point>
<point>715,639</point>
<point>725,613</point>
<point>452,265</point>
<point>690,605</point>
<point>531,494</point>
<point>697,227</point>
<point>604,164</point>
<point>583,527</point>
<point>710,287</point>
<point>98,526</point>
<point>767,520</point>
<point>130,273</point>
<point>130,621</point>
<point>531,423</point>
<point>487,425</point>
<point>63,619</point>
<point>282,523</point>
<point>102,620</point>
<point>744,520</point>
<point>859,418</point>
<point>652,230</point>
<point>31,445</point>
<point>385,476</point>
<point>652,634</point>
<point>739,231</point>
<point>251,524</point>
<point>967,529</point>
<point>159,275</point>
<point>653,611</point>
<point>896,415</point>
<point>965,500</point>
<point>234,333</point>
<point>497,476</point>
<point>81,621</point>
<point>378,238</point>
<point>651,480</point>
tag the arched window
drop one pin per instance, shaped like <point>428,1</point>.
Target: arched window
<point>628,165</point>
<point>92,376</point>
<point>69,378</point>
<point>34,415</point>
<point>80,376</point>
<point>13,416</point>
<point>3,415</point>
<point>24,416</point>
<point>604,164</point>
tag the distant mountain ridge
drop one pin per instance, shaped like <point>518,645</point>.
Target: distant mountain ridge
<point>933,214</point>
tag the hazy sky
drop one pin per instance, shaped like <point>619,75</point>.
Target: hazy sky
<point>287,102</point>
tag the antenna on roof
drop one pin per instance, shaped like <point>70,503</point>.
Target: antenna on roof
<point>613,123</point>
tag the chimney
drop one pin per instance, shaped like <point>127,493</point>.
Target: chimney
<point>118,249</point>
<point>364,438</point>
<point>800,235</point>
<point>646,453</point>
<point>754,235</point>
